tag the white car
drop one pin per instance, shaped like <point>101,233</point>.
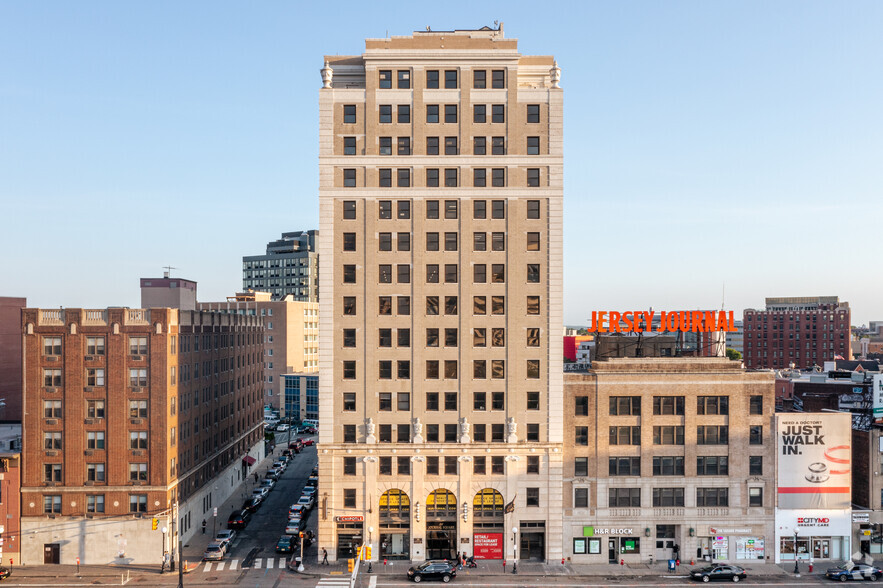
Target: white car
<point>307,500</point>
<point>225,538</point>
<point>282,428</point>
<point>268,483</point>
<point>262,492</point>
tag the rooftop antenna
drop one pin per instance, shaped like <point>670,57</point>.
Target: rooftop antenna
<point>168,272</point>
<point>723,295</point>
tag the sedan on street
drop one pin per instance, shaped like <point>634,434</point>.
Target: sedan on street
<point>285,544</point>
<point>710,573</point>
<point>238,520</point>
<point>225,538</point>
<point>295,526</point>
<point>433,570</point>
<point>214,552</point>
<point>858,572</point>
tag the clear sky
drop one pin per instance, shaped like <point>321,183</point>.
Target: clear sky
<point>706,143</point>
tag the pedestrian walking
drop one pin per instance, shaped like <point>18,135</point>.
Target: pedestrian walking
<point>165,562</point>
<point>504,566</point>
<point>203,526</point>
<point>324,556</point>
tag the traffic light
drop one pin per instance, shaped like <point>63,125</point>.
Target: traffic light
<point>301,534</point>
<point>368,553</point>
<point>349,565</point>
<point>155,524</point>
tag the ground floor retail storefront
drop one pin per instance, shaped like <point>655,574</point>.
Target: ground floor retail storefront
<point>439,527</point>
<point>813,534</point>
<point>651,541</point>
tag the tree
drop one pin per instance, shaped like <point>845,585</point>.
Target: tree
<point>733,355</point>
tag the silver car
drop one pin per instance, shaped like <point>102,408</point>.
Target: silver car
<point>214,552</point>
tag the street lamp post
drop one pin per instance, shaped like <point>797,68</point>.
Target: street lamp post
<point>514,550</point>
<point>796,567</point>
<point>164,531</point>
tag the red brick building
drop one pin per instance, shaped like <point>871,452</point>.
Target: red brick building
<point>126,412</point>
<point>10,357</point>
<point>10,507</point>
<point>804,331</point>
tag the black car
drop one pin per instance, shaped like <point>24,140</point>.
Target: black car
<point>857,572</point>
<point>5,573</point>
<point>707,574</point>
<point>433,570</point>
<point>252,504</point>
<point>239,519</point>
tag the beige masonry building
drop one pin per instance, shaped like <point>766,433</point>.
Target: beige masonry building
<point>666,458</point>
<point>441,380</point>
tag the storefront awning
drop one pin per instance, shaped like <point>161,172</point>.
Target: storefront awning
<point>248,460</point>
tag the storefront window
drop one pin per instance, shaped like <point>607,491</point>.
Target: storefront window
<point>580,546</point>
<point>629,545</point>
<point>749,548</point>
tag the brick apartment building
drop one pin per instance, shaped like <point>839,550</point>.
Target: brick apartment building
<point>126,412</point>
<point>803,331</point>
<point>291,339</point>
<point>10,357</point>
<point>665,452</point>
<point>10,507</point>
<point>441,193</point>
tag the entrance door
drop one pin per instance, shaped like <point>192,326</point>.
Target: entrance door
<point>821,548</point>
<point>611,551</point>
<point>533,546</point>
<point>664,549</point>
<point>347,546</point>
<point>51,553</point>
<point>441,541</point>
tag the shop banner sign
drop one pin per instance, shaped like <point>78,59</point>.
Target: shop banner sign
<point>809,522</point>
<point>488,545</point>
<point>814,465</point>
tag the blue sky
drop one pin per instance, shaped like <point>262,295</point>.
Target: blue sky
<point>706,143</point>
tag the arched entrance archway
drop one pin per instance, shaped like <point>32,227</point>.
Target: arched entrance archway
<point>488,540</point>
<point>441,524</point>
<point>395,524</point>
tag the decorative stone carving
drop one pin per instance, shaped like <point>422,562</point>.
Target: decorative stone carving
<point>418,432</point>
<point>327,75</point>
<point>369,459</point>
<point>369,431</point>
<point>465,458</point>
<point>513,431</point>
<point>554,74</point>
<point>512,458</point>
<point>418,458</point>
<point>464,430</point>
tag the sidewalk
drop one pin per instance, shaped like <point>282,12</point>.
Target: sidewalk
<point>539,569</point>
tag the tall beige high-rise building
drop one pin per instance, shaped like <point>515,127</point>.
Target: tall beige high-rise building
<point>441,189</point>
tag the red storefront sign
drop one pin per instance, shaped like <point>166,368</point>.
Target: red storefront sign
<point>488,545</point>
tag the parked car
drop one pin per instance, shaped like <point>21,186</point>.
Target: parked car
<point>214,552</point>
<point>285,544</point>
<point>260,491</point>
<point>239,519</point>
<point>313,480</point>
<point>709,573</point>
<point>433,570</point>
<point>309,490</point>
<point>5,573</point>
<point>286,453</point>
<point>282,427</point>
<point>271,474</point>
<point>297,510</point>
<point>858,572</point>
<point>252,504</point>
<point>295,526</point>
<point>307,442</point>
<point>268,483</point>
<point>296,445</point>
<point>279,464</point>
<point>225,537</point>
<point>308,501</point>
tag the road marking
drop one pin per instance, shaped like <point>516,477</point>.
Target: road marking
<point>207,567</point>
<point>270,561</point>
<point>373,582</point>
<point>257,563</point>
<point>219,566</point>
<point>234,564</point>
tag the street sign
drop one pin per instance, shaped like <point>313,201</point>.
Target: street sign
<point>215,512</point>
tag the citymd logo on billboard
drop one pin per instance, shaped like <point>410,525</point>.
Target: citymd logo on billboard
<point>814,461</point>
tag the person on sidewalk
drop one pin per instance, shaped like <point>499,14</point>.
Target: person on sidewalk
<point>165,562</point>
<point>324,557</point>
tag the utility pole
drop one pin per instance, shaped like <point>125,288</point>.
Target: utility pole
<point>180,560</point>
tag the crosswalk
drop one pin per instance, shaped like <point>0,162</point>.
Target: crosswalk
<point>335,582</point>
<point>234,564</point>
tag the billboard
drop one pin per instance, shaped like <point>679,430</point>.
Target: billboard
<point>814,460</point>
<point>877,395</point>
<point>488,545</point>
